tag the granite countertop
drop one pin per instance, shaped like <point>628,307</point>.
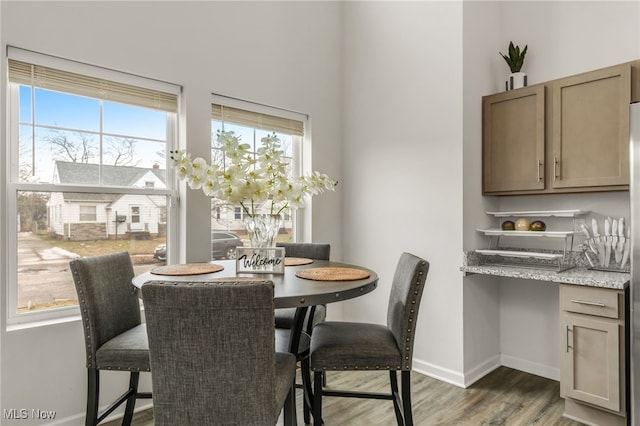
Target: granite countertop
<point>474,263</point>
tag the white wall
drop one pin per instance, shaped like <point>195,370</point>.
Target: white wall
<point>481,297</point>
<point>564,38</point>
<point>403,163</point>
<point>284,54</point>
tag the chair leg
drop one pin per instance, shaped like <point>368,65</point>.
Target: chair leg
<point>289,411</point>
<point>306,389</point>
<point>93,392</point>
<point>393,379</point>
<point>131,400</point>
<point>317,398</point>
<point>406,398</point>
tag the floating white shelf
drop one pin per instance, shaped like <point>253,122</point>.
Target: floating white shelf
<point>503,233</point>
<point>521,254</point>
<point>541,213</point>
<point>524,258</point>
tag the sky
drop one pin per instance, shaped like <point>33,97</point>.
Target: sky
<point>45,115</point>
<point>75,117</point>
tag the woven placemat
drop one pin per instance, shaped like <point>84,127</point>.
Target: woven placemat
<point>295,261</point>
<point>187,269</point>
<point>332,274</point>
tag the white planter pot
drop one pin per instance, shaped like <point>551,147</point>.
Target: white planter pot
<point>517,80</point>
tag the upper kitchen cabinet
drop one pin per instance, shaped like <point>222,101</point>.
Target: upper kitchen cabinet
<point>566,135</point>
<point>591,129</point>
<point>513,140</point>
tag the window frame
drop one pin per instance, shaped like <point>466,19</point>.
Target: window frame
<point>93,214</point>
<point>14,185</point>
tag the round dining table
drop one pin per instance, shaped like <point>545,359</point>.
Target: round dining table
<point>290,290</point>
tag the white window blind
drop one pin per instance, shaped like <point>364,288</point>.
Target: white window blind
<point>78,84</point>
<point>257,120</point>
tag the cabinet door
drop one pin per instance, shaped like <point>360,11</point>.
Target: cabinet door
<point>590,369</point>
<point>591,128</point>
<point>513,140</point>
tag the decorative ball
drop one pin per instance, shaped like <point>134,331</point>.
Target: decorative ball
<point>522,224</point>
<point>537,225</point>
<point>508,225</point>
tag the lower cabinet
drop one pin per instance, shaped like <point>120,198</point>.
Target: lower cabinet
<point>593,361</point>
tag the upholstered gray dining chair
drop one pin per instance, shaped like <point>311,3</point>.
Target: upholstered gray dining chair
<point>212,350</point>
<point>284,317</point>
<point>361,346</point>
<point>115,338</point>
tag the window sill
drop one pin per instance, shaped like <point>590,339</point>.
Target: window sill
<point>24,325</point>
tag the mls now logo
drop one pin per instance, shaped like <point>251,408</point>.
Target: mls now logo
<point>23,413</point>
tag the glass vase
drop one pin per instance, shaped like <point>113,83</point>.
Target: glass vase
<point>263,229</point>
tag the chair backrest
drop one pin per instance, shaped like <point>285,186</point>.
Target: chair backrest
<point>307,250</point>
<point>404,301</point>
<point>212,352</point>
<point>108,301</point>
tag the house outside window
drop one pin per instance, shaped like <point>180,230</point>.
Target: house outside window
<point>252,122</point>
<point>80,161</point>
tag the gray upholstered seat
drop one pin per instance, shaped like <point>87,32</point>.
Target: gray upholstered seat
<point>361,346</point>
<point>115,338</point>
<point>212,350</point>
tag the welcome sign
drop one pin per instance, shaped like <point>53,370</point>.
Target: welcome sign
<point>257,260</point>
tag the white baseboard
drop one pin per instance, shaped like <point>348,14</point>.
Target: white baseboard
<point>520,364</point>
<point>481,370</point>
<point>442,374</point>
<point>471,376</point>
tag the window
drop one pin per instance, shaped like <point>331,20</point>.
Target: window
<point>85,173</point>
<point>135,214</point>
<point>251,122</point>
<point>238,213</point>
<point>87,213</point>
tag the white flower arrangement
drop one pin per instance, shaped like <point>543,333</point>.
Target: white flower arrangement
<point>258,183</point>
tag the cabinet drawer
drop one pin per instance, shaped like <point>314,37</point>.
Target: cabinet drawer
<point>591,301</point>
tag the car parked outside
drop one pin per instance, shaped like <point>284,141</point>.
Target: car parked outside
<point>223,246</point>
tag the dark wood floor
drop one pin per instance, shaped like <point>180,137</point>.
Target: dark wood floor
<point>504,397</point>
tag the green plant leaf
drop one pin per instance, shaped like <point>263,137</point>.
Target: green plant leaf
<point>515,60</point>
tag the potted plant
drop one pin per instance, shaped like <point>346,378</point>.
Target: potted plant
<point>515,60</point>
